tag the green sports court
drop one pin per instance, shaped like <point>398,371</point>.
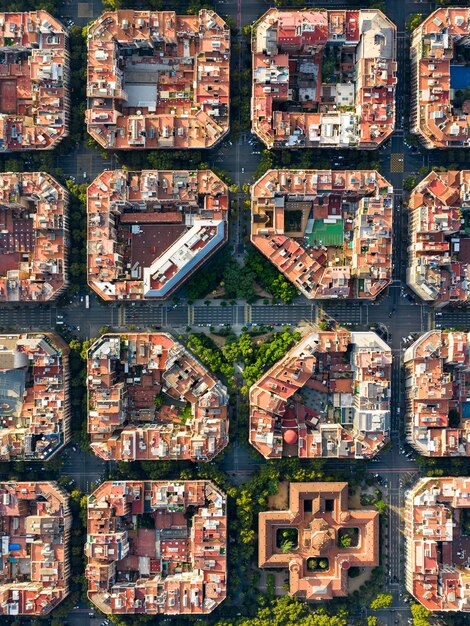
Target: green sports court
<point>331,235</point>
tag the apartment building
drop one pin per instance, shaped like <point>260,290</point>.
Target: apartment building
<point>323,79</point>
<point>440,79</point>
<point>34,230</point>
<point>317,558</point>
<point>157,80</point>
<point>34,82</point>
<point>157,547</point>
<point>35,523</point>
<point>329,232</point>
<point>150,231</point>
<point>34,396</point>
<point>437,531</point>
<point>439,238</point>
<point>150,399</point>
<point>437,419</point>
<point>328,397</point>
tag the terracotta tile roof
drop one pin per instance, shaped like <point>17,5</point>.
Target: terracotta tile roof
<point>150,231</point>
<point>436,367</point>
<point>33,237</point>
<point>333,250</point>
<point>186,554</point>
<point>125,375</point>
<point>435,118</point>
<point>439,238</point>
<point>318,512</point>
<point>35,522</point>
<point>329,396</point>
<point>35,412</point>
<point>352,107</point>
<point>437,557</point>
<point>175,97</point>
<point>34,81</point>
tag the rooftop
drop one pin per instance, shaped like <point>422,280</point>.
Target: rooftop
<point>324,79</point>
<point>440,109</point>
<point>328,231</point>
<point>439,234</point>
<point>328,397</point>
<point>33,237</point>
<point>317,562</point>
<point>157,547</point>
<point>157,80</point>
<point>35,523</point>
<point>34,396</point>
<point>150,231</point>
<point>437,531</point>
<point>438,386</point>
<point>150,399</point>
<point>34,76</point>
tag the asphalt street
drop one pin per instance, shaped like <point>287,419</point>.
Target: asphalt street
<point>84,468</point>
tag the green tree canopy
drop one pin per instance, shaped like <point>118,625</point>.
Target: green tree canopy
<point>382,601</point>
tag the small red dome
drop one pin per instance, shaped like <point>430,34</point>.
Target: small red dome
<point>291,437</point>
<point>345,565</point>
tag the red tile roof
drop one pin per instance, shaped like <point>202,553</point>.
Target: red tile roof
<point>353,107</point>
<point>125,375</point>
<point>435,119</point>
<point>35,523</point>
<point>333,390</point>
<point>436,367</point>
<point>35,416</point>
<point>177,97</point>
<point>186,553</point>
<point>356,259</point>
<point>437,551</point>
<point>150,231</point>
<point>33,81</point>
<point>437,253</point>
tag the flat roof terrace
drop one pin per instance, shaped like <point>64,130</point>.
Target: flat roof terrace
<point>34,396</point>
<point>328,397</point>
<point>35,522</point>
<point>150,231</point>
<point>329,232</point>
<point>439,236</point>
<point>34,77</point>
<point>323,79</point>
<point>436,531</point>
<point>150,399</point>
<point>33,237</point>
<point>440,106</point>
<point>157,80</point>
<point>157,547</point>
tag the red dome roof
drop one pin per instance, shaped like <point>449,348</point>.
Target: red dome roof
<point>345,565</point>
<point>291,436</point>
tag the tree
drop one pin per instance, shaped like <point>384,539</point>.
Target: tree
<point>159,401</point>
<point>409,183</point>
<point>287,546</point>
<point>345,541</point>
<point>381,506</point>
<point>286,611</point>
<point>323,564</point>
<point>372,621</point>
<point>382,601</point>
<point>267,276</point>
<point>420,615</point>
<point>414,21</point>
